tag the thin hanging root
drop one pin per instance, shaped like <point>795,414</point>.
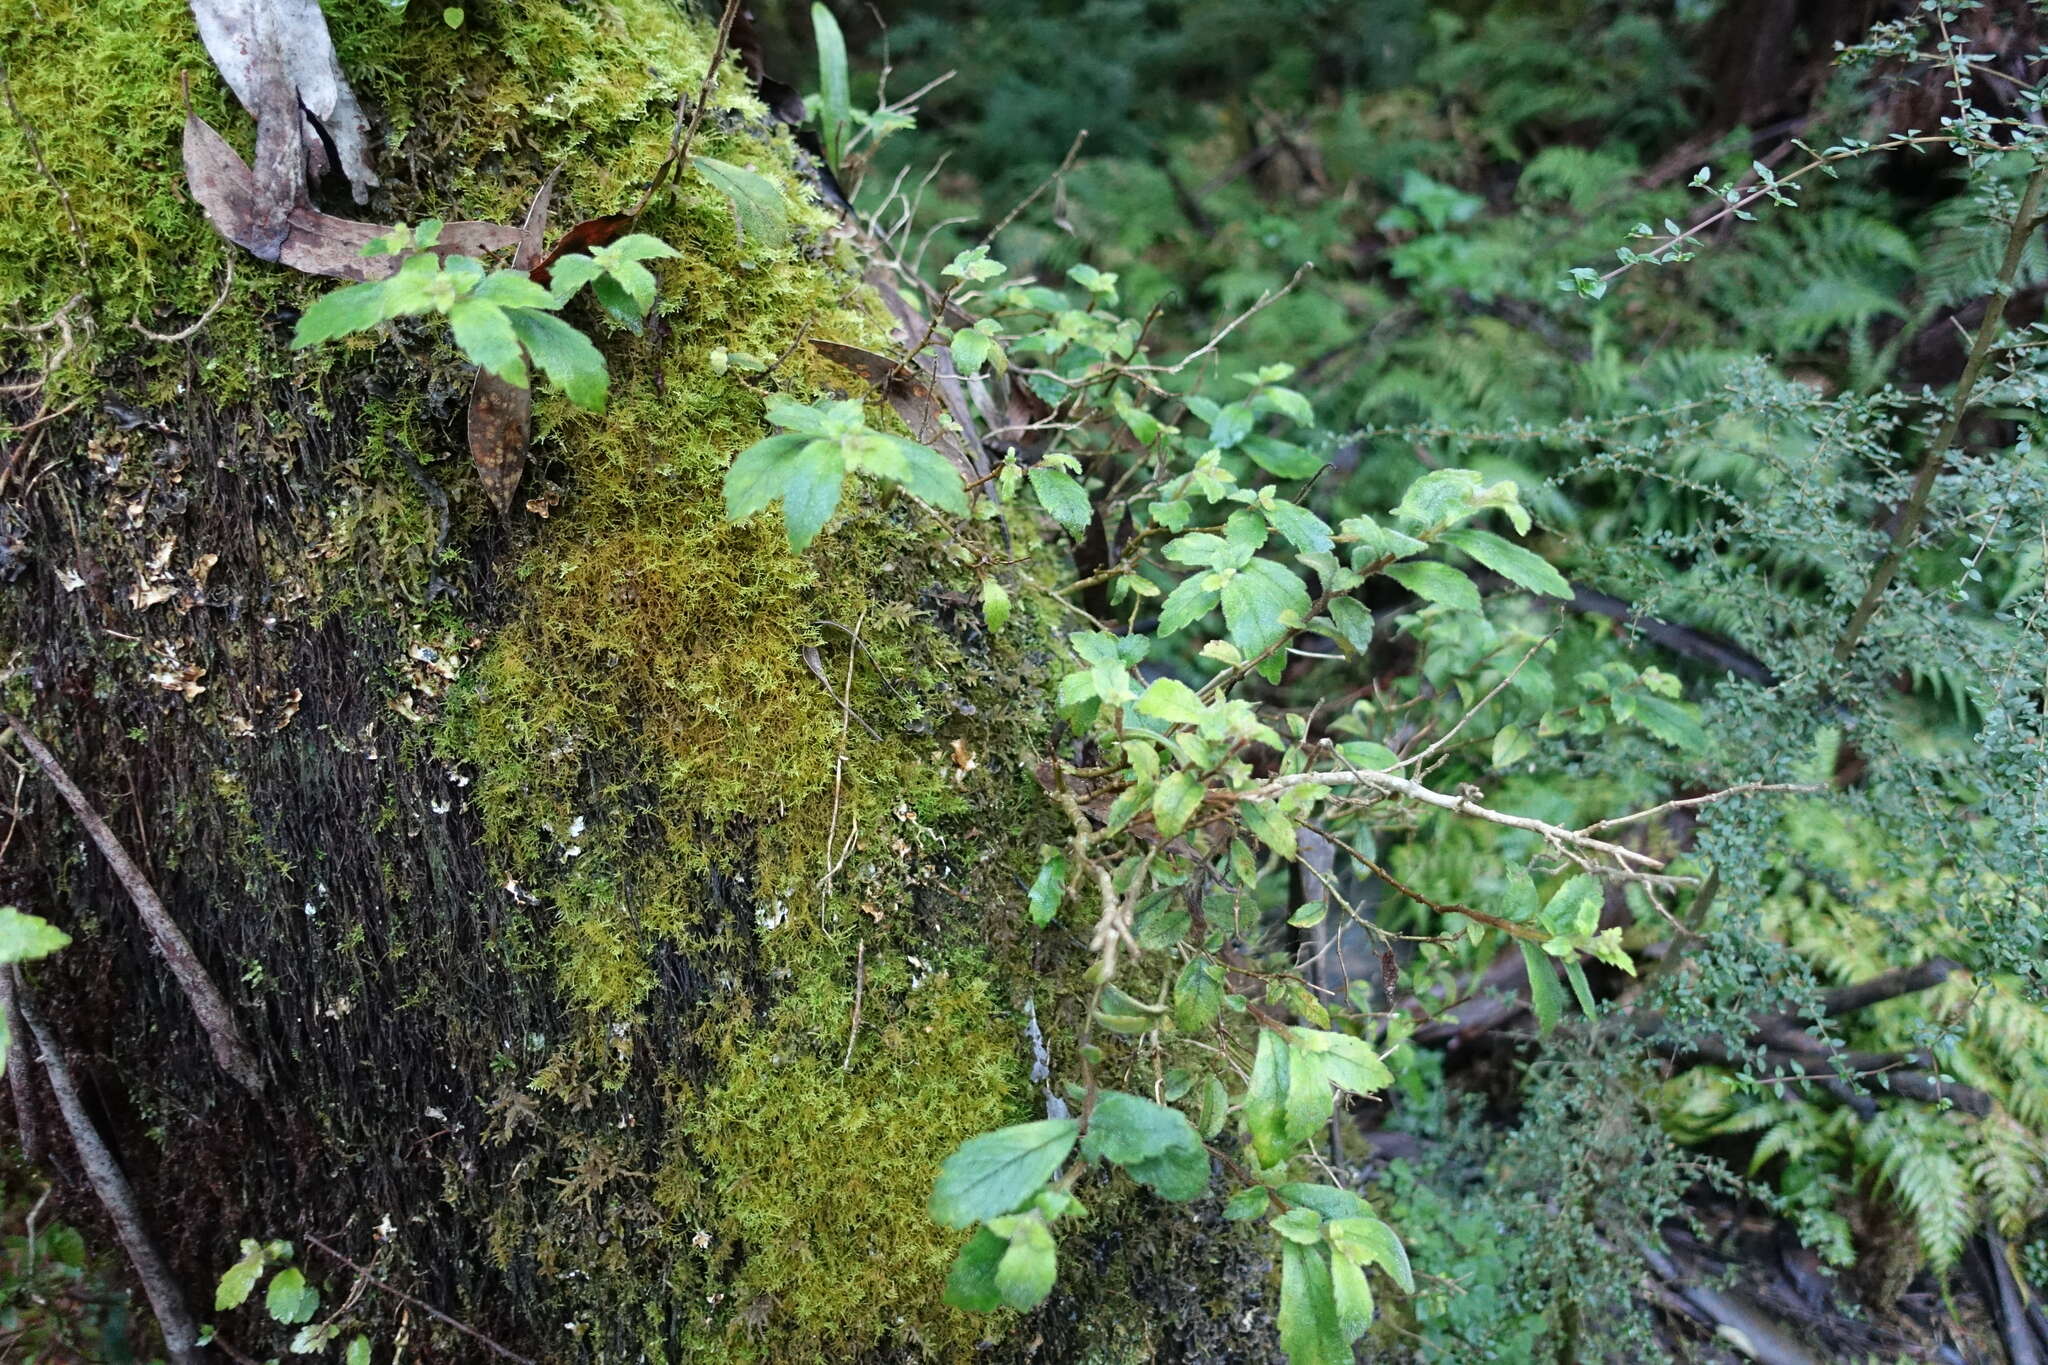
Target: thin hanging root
<point>166,1300</point>
<point>222,1032</point>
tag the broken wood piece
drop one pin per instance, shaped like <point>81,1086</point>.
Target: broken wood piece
<point>223,1034</point>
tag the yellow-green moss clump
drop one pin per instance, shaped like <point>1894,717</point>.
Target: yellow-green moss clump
<point>697,840</point>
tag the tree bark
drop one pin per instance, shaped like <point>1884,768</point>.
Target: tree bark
<point>505,839</point>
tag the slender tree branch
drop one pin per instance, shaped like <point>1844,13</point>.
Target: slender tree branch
<point>421,1304</point>
<point>215,1017</point>
<point>2023,224</point>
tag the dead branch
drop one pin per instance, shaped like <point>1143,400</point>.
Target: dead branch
<point>166,1299</point>
<point>223,1034</point>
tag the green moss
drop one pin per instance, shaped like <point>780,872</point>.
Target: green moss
<point>818,1170</point>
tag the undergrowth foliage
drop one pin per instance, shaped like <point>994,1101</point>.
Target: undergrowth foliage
<point>1341,730</point>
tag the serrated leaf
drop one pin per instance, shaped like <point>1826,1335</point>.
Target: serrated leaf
<point>1546,998</point>
<point>1197,995</point>
<point>564,354</point>
<point>1176,801</point>
<point>1309,914</point>
<point>1349,1063</point>
<point>1369,1241</point>
<point>1304,530</point>
<point>289,1298</point>
<point>1576,975</point>
<point>1047,889</point>
<point>358,1351</point>
<point>1120,1012</point>
<point>1310,1331</point>
<point>485,335</point>
<point>1524,568</point>
<point>996,1172</point>
<point>1029,1265</point>
<point>971,1283</point>
<point>757,204</point>
<point>25,937</point>
<point>995,605</point>
<point>1300,1225</point>
<point>353,308</point>
<point>1511,744</point>
<point>1173,701</point>
<point>1273,829</point>
<point>1353,622</point>
<point>1435,582</point>
<point>1261,603</point>
<point>238,1283</point>
<point>1247,1203</point>
<point>971,350</point>
<point>1062,497</point>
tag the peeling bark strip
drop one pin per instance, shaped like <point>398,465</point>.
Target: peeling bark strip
<point>278,58</point>
<point>215,1016</point>
<point>166,1300</point>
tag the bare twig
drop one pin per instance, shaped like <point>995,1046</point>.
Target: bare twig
<point>27,1130</point>
<point>860,985</point>
<point>166,1300</point>
<point>224,1035</point>
<point>421,1304</point>
<point>227,283</point>
<point>1687,803</point>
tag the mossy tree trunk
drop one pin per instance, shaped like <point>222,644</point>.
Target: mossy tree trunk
<point>539,866</point>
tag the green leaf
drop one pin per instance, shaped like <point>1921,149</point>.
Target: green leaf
<point>1173,701</point>
<point>1300,1225</point>
<point>810,492</point>
<point>835,112</point>
<point>1372,541</point>
<point>1047,889</point>
<point>1349,1063</point>
<point>1161,922</point>
<point>1176,801</point>
<point>485,335</point>
<point>358,1351</point>
<point>1126,1128</point>
<point>1273,829</point>
<point>290,1299</point>
<point>1186,604</point>
<point>1265,1100</point>
<point>1573,910</point>
<point>1062,497</point>
<point>1311,1332</point>
<point>995,605</point>
<point>1120,1012</point>
<point>1309,914</point>
<point>757,475</point>
<point>971,350</point>
<point>1304,530</point>
<point>1524,568</point>
<point>314,1337</point>
<point>1677,723</point>
<point>1261,603</point>
<point>1029,1266</point>
<point>1436,583</point>
<point>1352,1296</point>
<point>564,354</point>
<point>930,476</point>
<point>1281,459</point>
<point>239,1281</point>
<point>1197,995</point>
<point>1327,1200</point>
<point>569,274</point>
<point>354,308</point>
<point>1546,997</point>
<point>1443,497</point>
<point>1368,1241</point>
<point>1511,744</point>
<point>1576,975</point>
<point>1230,424</point>
<point>1353,622</point>
<point>512,289</point>
<point>996,1172</point>
<point>971,1284</point>
<point>757,203</point>
<point>1247,1203</point>
<point>25,937</point>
